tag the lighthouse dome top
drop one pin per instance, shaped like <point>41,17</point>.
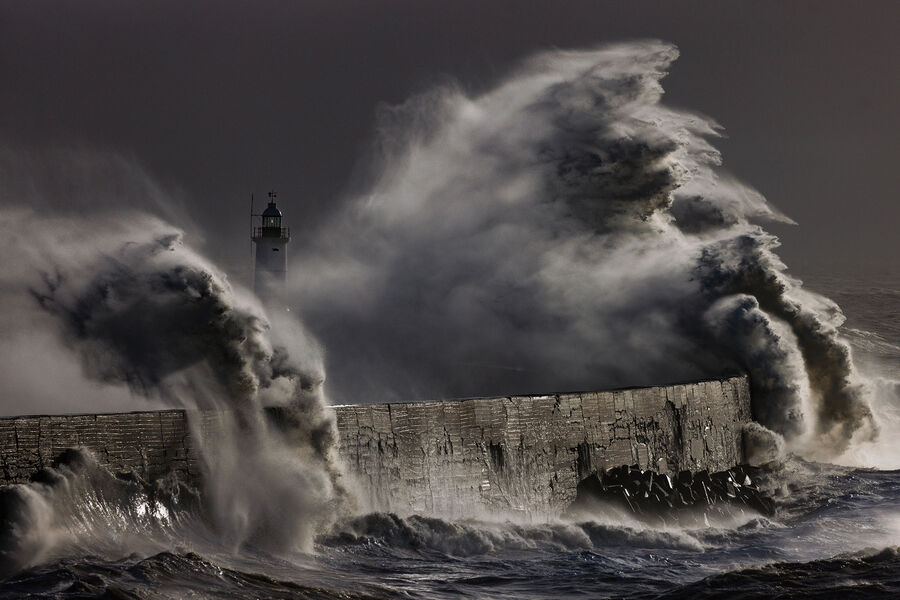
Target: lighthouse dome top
<point>271,210</point>
<point>271,224</point>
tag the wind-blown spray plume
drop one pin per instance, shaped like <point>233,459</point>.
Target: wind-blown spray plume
<point>141,310</point>
<point>565,230</point>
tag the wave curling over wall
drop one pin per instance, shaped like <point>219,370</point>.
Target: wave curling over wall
<point>566,230</point>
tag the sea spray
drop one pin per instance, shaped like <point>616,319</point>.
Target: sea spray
<point>142,311</point>
<point>77,506</point>
<point>566,230</point>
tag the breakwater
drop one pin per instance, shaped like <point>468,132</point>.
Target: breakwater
<point>449,457</point>
<point>530,452</point>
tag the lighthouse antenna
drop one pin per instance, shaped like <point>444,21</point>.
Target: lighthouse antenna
<point>251,230</point>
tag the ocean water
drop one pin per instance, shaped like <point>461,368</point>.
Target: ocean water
<point>836,533</point>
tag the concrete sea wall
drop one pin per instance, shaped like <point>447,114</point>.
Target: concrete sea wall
<point>150,444</point>
<point>530,452</point>
<point>519,452</point>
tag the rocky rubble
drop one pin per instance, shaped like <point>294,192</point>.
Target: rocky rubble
<point>655,496</point>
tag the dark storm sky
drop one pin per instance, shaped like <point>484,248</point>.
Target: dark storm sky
<point>220,98</point>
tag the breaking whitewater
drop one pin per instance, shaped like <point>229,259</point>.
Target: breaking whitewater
<point>564,230</point>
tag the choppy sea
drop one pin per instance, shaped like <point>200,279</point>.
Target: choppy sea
<point>835,534</point>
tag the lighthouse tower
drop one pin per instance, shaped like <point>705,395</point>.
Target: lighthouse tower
<point>270,272</point>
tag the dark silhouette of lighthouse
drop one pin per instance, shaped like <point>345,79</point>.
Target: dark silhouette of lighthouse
<point>270,270</point>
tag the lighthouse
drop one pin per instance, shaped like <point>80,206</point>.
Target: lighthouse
<point>270,271</point>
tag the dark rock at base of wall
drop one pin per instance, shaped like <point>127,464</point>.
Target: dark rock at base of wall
<point>654,496</point>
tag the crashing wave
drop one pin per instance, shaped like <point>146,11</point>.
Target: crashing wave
<point>566,230</point>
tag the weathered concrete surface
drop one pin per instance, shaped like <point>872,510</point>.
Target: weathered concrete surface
<point>150,444</point>
<point>520,452</point>
<point>530,452</point>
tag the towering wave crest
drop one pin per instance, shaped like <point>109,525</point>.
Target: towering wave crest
<point>565,230</point>
<point>149,318</point>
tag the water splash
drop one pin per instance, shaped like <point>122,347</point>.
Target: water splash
<point>566,230</point>
<point>146,315</point>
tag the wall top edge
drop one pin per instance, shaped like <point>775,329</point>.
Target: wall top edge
<point>730,378</point>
